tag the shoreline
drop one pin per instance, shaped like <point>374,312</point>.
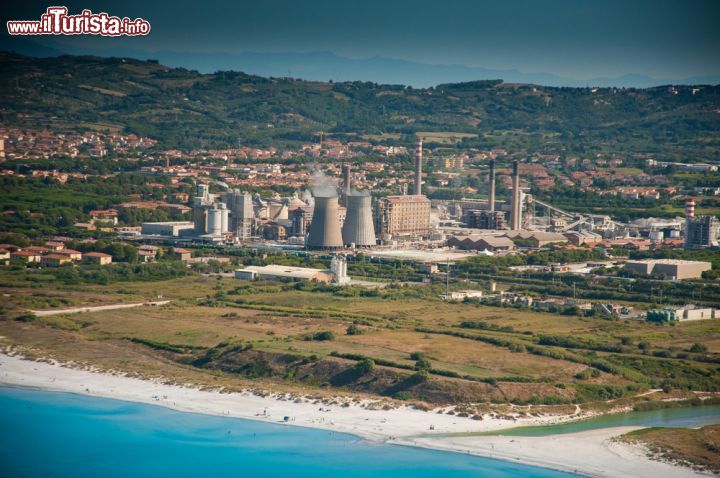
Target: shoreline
<point>590,453</point>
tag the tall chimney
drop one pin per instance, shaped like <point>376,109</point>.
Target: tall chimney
<point>689,216</point>
<point>690,209</point>
<point>515,202</point>
<point>418,168</point>
<point>346,182</point>
<point>491,200</point>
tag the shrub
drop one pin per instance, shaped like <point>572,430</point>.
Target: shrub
<point>353,330</point>
<point>698,348</point>
<point>29,317</point>
<point>423,364</point>
<point>324,335</point>
<point>419,377</point>
<point>365,366</point>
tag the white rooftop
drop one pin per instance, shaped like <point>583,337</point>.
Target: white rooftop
<point>285,271</point>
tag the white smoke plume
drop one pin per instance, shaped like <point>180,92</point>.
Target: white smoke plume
<point>323,185</point>
<point>359,192</point>
<point>307,198</point>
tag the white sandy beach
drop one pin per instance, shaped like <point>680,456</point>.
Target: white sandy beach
<point>589,453</point>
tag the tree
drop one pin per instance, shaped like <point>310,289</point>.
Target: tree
<point>423,364</point>
<point>365,366</point>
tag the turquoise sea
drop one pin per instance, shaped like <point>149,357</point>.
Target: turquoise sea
<point>49,434</point>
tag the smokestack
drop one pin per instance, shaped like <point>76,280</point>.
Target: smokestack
<point>358,227</point>
<point>689,216</point>
<point>346,181</point>
<point>491,200</point>
<point>690,209</point>
<point>325,227</point>
<point>515,201</point>
<point>418,168</point>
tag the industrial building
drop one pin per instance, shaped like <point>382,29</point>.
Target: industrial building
<point>677,314</point>
<point>482,219</point>
<point>675,269</point>
<point>404,216</point>
<point>537,238</point>
<point>284,273</point>
<point>241,213</point>
<point>482,243</point>
<point>336,274</point>
<point>702,232</point>
<point>172,228</point>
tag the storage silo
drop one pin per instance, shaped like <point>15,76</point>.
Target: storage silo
<point>325,227</point>
<point>358,228</point>
<point>223,218</point>
<point>214,221</point>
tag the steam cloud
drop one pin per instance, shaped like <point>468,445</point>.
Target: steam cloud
<point>323,185</point>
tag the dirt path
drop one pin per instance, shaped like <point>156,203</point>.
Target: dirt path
<point>77,310</point>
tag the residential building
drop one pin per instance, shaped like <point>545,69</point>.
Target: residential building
<point>26,256</point>
<point>98,258</point>
<point>55,260</point>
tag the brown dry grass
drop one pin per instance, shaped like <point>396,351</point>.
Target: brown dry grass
<point>697,448</point>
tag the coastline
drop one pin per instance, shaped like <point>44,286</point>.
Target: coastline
<point>589,453</point>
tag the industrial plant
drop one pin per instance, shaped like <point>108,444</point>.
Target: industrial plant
<point>333,217</point>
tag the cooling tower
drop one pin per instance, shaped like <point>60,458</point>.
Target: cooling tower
<point>325,227</point>
<point>358,228</point>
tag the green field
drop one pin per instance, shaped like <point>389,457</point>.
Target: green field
<point>228,331</point>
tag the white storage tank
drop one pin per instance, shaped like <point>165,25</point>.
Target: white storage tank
<point>223,218</point>
<point>657,236</point>
<point>214,221</point>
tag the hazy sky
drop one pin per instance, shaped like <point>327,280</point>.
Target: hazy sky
<point>575,38</point>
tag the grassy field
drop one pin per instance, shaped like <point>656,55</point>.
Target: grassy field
<point>504,355</point>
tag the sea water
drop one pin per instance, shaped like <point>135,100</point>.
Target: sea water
<point>686,417</point>
<point>50,434</point>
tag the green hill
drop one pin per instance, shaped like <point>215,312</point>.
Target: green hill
<point>183,108</point>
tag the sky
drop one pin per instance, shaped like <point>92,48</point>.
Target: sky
<point>579,39</point>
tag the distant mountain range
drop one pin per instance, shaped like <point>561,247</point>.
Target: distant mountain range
<point>326,66</point>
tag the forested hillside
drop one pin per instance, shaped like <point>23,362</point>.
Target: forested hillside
<point>183,108</point>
